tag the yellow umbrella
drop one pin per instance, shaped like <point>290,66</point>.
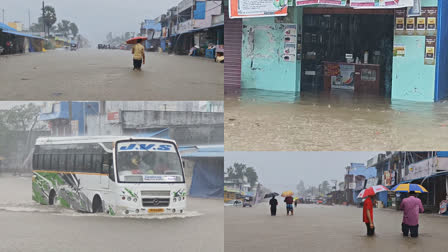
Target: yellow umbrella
<point>287,193</point>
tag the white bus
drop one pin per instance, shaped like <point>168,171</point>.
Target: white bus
<point>116,175</point>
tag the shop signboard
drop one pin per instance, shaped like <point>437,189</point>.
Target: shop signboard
<point>373,3</point>
<point>327,2</point>
<point>257,8</point>
<point>430,49</point>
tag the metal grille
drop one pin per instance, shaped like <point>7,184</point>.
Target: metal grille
<point>233,33</point>
<point>156,202</point>
<point>155,193</point>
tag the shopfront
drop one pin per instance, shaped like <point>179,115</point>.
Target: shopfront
<point>321,48</point>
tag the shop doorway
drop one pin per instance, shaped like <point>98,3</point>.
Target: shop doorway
<point>346,51</point>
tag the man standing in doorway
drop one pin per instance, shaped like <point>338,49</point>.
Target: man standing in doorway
<point>411,207</point>
<point>367,215</point>
<point>139,55</point>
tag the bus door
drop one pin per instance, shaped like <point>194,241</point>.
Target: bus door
<point>105,179</point>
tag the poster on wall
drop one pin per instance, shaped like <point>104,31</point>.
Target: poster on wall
<point>415,10</point>
<point>373,3</point>
<point>344,78</point>
<point>425,24</point>
<point>400,16</point>
<point>430,50</point>
<point>290,42</point>
<point>431,20</point>
<point>410,25</point>
<point>399,51</point>
<point>257,8</point>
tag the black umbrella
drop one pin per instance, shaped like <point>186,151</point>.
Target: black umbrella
<point>269,195</point>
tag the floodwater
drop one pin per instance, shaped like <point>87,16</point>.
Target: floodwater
<point>326,228</point>
<point>277,121</point>
<point>92,74</point>
<point>28,226</point>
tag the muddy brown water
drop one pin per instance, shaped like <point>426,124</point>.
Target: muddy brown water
<point>28,226</point>
<point>91,74</point>
<point>326,228</point>
<point>278,121</point>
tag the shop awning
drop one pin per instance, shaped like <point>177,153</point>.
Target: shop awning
<point>10,30</point>
<point>201,29</point>
<point>432,176</point>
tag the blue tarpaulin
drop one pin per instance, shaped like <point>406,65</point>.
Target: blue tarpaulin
<point>208,178</point>
<point>8,29</point>
<point>442,153</point>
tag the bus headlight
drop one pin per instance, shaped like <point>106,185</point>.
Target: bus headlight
<point>174,199</point>
<point>123,198</point>
<point>135,199</point>
<point>129,198</point>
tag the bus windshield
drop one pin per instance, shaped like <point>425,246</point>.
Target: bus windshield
<point>143,161</point>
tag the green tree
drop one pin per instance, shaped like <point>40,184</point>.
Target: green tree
<point>21,117</point>
<point>74,29</point>
<point>49,16</point>
<point>64,27</point>
<point>252,176</point>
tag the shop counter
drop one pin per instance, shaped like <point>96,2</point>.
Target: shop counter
<point>360,78</point>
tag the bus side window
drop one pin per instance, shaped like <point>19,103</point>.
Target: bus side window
<point>107,166</point>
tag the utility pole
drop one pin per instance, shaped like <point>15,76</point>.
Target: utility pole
<point>3,15</point>
<point>29,20</point>
<point>43,17</point>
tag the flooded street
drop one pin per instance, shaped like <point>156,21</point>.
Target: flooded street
<point>34,227</point>
<point>273,121</point>
<point>91,74</point>
<point>326,228</point>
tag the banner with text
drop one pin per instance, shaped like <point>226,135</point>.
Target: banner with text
<point>257,8</point>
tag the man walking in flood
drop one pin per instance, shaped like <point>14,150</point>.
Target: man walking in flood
<point>367,215</point>
<point>139,55</point>
<point>273,202</point>
<point>411,207</point>
<point>289,201</point>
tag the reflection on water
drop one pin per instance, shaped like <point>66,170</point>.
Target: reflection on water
<point>331,121</point>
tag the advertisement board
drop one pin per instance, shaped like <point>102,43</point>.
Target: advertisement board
<point>257,8</point>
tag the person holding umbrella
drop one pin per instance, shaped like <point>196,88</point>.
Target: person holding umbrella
<point>273,202</point>
<point>411,207</point>
<point>367,210</point>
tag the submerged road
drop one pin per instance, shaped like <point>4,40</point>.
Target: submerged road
<point>270,121</point>
<point>326,228</point>
<point>28,226</point>
<point>91,74</point>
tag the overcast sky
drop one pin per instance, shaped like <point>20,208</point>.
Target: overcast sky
<point>281,171</point>
<point>95,18</point>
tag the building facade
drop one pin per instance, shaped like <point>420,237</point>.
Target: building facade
<point>386,52</point>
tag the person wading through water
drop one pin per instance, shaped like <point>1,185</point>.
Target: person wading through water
<point>273,202</point>
<point>289,200</point>
<point>139,55</point>
<point>367,215</point>
<point>411,207</point>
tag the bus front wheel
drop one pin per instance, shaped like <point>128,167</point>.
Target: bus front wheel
<point>97,205</point>
<point>52,197</point>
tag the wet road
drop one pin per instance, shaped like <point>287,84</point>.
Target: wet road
<point>91,74</point>
<point>270,121</point>
<point>326,228</point>
<point>27,226</point>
